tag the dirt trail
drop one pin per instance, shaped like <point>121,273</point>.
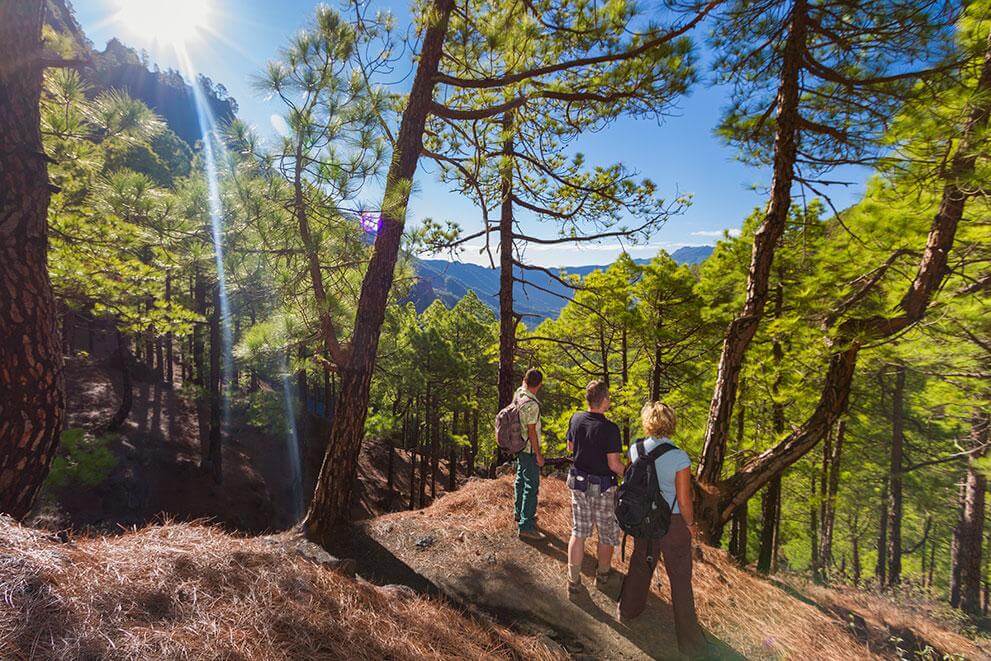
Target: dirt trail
<point>496,572</point>
<point>464,546</point>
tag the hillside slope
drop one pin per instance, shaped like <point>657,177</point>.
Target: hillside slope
<point>464,544</point>
<point>192,592</point>
<point>120,67</point>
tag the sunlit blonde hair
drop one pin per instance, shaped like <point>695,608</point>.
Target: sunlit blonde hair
<point>658,420</point>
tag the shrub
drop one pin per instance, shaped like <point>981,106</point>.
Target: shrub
<point>84,460</point>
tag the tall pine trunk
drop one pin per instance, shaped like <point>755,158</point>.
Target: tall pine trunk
<point>829,502</point>
<point>881,568</point>
<point>169,337</point>
<point>474,443</point>
<point>819,498</point>
<point>507,318</point>
<point>855,550</point>
<point>738,545</point>
<point>771,504</point>
<point>814,528</point>
<point>214,454</point>
<point>655,374</point>
<point>199,307</point>
<point>32,392</point>
<point>895,477</point>
<point>332,497</point>
<point>769,525</point>
<point>743,327</point>
<point>126,391</point>
<point>968,537</point>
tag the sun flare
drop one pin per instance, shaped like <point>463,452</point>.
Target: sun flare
<point>172,23</point>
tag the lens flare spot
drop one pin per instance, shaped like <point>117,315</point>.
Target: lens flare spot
<point>172,23</point>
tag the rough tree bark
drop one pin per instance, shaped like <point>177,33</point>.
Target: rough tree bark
<point>507,318</point>
<point>742,329</point>
<point>32,392</point>
<point>332,497</point>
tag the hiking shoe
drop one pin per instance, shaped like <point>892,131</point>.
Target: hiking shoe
<point>574,587</point>
<point>532,535</point>
<point>604,580</point>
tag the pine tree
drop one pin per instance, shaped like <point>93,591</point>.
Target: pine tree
<point>821,87</point>
<point>32,393</point>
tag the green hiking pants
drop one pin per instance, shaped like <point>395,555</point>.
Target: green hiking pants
<point>527,485</point>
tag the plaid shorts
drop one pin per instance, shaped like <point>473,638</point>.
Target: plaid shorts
<point>593,509</point>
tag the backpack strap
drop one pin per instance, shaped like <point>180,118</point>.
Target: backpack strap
<point>656,454</point>
<point>660,450</point>
<point>519,399</point>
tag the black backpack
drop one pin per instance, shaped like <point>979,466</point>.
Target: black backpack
<point>640,506</point>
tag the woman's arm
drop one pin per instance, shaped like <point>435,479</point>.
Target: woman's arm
<point>683,490</point>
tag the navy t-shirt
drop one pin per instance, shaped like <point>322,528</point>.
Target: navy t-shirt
<point>593,437</point>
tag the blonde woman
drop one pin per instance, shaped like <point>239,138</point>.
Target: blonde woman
<point>675,480</point>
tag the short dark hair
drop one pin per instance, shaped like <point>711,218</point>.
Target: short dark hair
<point>596,391</point>
<point>533,377</point>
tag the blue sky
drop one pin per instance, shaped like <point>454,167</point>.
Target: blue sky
<point>682,155</point>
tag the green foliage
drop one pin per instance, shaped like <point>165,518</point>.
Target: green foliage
<point>266,409</point>
<point>112,228</point>
<point>83,460</point>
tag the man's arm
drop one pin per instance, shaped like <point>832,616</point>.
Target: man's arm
<point>616,465</point>
<point>531,431</point>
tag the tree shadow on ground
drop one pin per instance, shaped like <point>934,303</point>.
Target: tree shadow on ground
<point>652,632</point>
<point>509,581</point>
<point>156,473</point>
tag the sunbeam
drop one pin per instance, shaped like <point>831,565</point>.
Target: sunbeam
<point>208,130</point>
<point>295,462</point>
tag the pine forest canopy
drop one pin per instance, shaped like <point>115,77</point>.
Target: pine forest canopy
<point>829,367</point>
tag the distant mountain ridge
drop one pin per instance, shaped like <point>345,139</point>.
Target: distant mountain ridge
<point>447,281</point>
<point>123,68</point>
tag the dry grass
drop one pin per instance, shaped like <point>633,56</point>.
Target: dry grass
<point>907,625</point>
<point>750,614</point>
<point>189,591</point>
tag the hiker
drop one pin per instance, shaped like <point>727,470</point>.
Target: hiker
<point>530,458</point>
<point>675,481</point>
<point>596,446</point>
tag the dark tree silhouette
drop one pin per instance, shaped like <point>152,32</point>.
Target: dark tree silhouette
<point>32,396</point>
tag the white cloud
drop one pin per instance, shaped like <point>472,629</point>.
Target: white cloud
<point>715,234</point>
<point>280,125</point>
